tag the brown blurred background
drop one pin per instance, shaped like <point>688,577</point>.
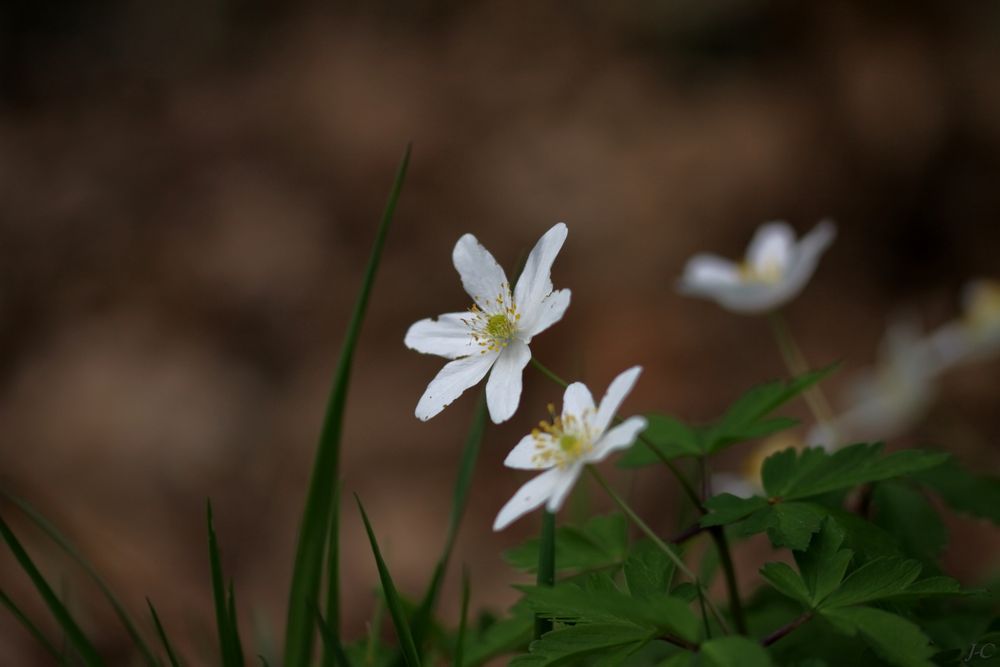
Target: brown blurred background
<point>188,192</point>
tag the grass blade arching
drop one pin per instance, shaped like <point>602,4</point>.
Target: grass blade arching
<point>162,634</point>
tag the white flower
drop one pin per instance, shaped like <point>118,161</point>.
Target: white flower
<point>495,331</point>
<point>562,448</point>
<point>775,269</point>
<point>885,401</point>
<point>976,336</point>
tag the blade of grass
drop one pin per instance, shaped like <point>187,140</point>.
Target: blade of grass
<point>391,596</point>
<point>73,632</point>
<point>331,642</point>
<point>162,634</point>
<point>29,626</point>
<point>374,631</point>
<point>462,620</point>
<point>234,626</point>
<point>329,659</point>
<point>316,519</point>
<point>71,550</point>
<point>227,647</point>
<point>460,496</point>
<point>546,565</point>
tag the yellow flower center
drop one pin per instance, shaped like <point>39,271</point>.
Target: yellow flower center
<point>497,328</point>
<point>984,306</point>
<point>769,273</point>
<point>561,441</point>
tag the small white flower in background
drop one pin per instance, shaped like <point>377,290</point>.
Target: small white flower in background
<point>976,336</point>
<point>747,482</point>
<point>887,400</point>
<point>495,331</point>
<point>775,270</point>
<point>562,447</point>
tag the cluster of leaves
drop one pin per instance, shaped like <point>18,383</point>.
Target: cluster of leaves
<point>862,527</point>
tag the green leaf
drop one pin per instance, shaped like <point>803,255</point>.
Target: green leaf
<point>30,626</point>
<point>601,541</point>
<point>824,563</point>
<point>68,547</point>
<point>976,495</point>
<point>460,497</point>
<point>790,476</point>
<point>875,580</point>
<point>392,599</point>
<point>787,581</point>
<point>331,642</point>
<point>501,636</point>
<point>229,642</point>
<point>567,646</point>
<point>906,514</point>
<point>894,638</point>
<point>792,524</point>
<point>601,601</point>
<point>648,571</point>
<point>726,508</point>
<point>162,634</point>
<point>734,652</point>
<point>88,654</point>
<point>672,437</point>
<point>319,520</point>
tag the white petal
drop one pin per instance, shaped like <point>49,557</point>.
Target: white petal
<point>736,485</point>
<point>447,336</point>
<point>523,455</point>
<point>705,272</point>
<point>451,381</point>
<point>548,313</point>
<point>535,492</point>
<point>619,437</point>
<point>617,391</point>
<point>563,485</point>
<point>577,400</point>
<point>807,255</point>
<point>772,248</point>
<point>535,282</point>
<point>482,277</point>
<point>503,389</point>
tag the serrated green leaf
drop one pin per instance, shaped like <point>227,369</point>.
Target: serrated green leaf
<point>319,518</point>
<point>670,436</point>
<point>566,646</point>
<point>894,638</point>
<point>600,542</point>
<point>75,635</point>
<point>792,524</point>
<point>791,475</point>
<point>500,637</point>
<point>824,563</point>
<point>787,581</point>
<point>392,599</point>
<point>734,652</point>
<point>875,580</point>
<point>904,512</point>
<point>864,537</point>
<point>648,571</point>
<point>726,508</point>
<point>964,492</point>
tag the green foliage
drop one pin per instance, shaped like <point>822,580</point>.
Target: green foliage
<point>162,634</point>
<point>648,571</point>
<point>976,495</point>
<point>230,647</point>
<point>746,419</point>
<point>895,639</point>
<point>906,514</point>
<point>601,541</point>
<point>734,652</point>
<point>612,642</point>
<point>320,518</point>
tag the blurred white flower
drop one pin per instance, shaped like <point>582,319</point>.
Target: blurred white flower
<point>976,336</point>
<point>747,481</point>
<point>495,331</point>
<point>577,437</point>
<point>775,270</point>
<point>885,401</point>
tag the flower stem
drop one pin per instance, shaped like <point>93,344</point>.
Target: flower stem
<point>689,489</point>
<point>786,629</point>
<point>796,363</point>
<point>735,604</point>
<point>660,544</point>
<point>546,565</point>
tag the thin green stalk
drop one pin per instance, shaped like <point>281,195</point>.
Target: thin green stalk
<point>546,565</point>
<point>463,620</point>
<point>317,523</point>
<point>374,631</point>
<point>162,634</point>
<point>735,603</point>
<point>29,626</point>
<point>797,366</point>
<point>660,544</point>
<point>689,489</point>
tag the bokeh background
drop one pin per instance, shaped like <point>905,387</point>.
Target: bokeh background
<point>188,192</point>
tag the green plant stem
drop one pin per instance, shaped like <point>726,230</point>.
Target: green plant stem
<point>660,544</point>
<point>685,483</point>
<point>735,603</point>
<point>786,629</point>
<point>546,565</point>
<point>796,363</point>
